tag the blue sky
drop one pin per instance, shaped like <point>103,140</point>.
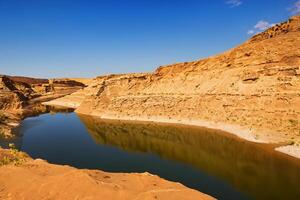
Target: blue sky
<point>86,38</point>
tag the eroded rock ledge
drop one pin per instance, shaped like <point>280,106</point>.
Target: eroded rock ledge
<point>22,96</point>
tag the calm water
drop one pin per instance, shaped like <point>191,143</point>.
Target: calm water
<point>209,161</point>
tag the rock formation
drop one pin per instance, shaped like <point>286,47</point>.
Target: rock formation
<point>21,96</point>
<point>12,94</point>
<point>253,88</point>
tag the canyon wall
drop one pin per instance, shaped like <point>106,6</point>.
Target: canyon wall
<point>17,91</point>
<point>253,87</point>
<point>21,96</point>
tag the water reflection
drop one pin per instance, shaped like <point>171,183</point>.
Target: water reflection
<point>253,169</point>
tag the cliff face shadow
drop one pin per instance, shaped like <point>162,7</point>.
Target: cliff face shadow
<point>254,169</point>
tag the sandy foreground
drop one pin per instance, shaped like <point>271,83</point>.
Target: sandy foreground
<point>39,180</point>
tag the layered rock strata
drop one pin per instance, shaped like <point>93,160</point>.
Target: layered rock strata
<point>21,96</point>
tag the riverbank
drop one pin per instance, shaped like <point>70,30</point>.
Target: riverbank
<point>238,131</point>
<point>290,148</point>
<point>179,153</point>
<point>241,132</point>
<point>37,179</point>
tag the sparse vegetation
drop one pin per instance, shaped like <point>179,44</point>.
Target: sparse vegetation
<point>12,156</point>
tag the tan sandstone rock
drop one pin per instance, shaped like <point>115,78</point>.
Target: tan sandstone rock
<point>253,87</point>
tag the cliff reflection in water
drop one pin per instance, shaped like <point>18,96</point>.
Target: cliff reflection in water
<point>253,169</point>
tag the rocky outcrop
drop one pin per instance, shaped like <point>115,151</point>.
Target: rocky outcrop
<point>28,80</point>
<point>13,95</point>
<point>292,25</point>
<point>21,97</point>
<point>58,86</point>
<point>16,92</point>
<point>74,100</point>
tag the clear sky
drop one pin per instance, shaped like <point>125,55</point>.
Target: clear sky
<point>86,38</point>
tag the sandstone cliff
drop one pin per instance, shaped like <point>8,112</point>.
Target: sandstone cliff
<point>21,96</point>
<point>253,88</point>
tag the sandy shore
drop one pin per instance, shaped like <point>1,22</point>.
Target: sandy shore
<point>60,103</point>
<point>291,150</point>
<point>236,130</point>
<point>241,132</point>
